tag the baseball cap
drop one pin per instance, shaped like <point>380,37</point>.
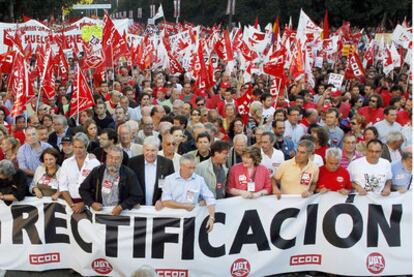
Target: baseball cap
<point>66,139</point>
<point>335,92</point>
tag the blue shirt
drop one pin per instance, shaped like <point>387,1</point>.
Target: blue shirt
<point>400,176</point>
<point>187,191</point>
<point>28,157</point>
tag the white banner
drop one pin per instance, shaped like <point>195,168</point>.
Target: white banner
<point>336,80</point>
<point>37,34</point>
<point>356,235</point>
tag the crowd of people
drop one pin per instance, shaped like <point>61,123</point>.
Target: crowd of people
<point>150,140</point>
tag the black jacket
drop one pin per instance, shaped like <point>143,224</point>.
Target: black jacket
<point>165,167</point>
<point>53,138</point>
<point>130,192</point>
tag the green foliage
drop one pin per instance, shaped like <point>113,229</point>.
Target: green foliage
<point>208,12</point>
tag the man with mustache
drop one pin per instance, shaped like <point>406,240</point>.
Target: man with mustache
<point>112,184</point>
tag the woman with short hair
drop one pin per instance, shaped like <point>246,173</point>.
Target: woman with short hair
<point>12,182</point>
<point>10,146</point>
<point>249,179</point>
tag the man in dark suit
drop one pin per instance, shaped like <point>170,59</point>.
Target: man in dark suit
<point>61,129</point>
<point>151,170</point>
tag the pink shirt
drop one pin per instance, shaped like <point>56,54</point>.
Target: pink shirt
<point>237,178</point>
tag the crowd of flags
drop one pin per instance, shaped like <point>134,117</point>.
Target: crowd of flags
<point>199,51</point>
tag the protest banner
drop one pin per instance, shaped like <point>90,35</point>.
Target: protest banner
<point>325,232</point>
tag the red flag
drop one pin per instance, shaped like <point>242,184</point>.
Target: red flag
<point>243,104</point>
<point>296,66</point>
<point>6,62</point>
<point>325,32</point>
<point>26,18</point>
<point>81,95</point>
<point>114,46</point>
<point>139,55</point>
<point>18,85</point>
<point>229,49</point>
<point>13,41</point>
<point>276,63</point>
<point>247,53</point>
<point>354,69</point>
<point>174,65</point>
<point>62,65</point>
<point>99,75</point>
<point>202,84</point>
<point>47,80</point>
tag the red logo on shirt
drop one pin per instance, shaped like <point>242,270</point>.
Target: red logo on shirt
<point>85,172</point>
<point>306,178</point>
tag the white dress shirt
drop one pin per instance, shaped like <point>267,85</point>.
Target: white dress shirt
<point>150,175</point>
<point>71,177</point>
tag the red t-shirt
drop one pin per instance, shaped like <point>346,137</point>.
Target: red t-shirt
<point>322,151</point>
<point>334,181</point>
<point>19,135</point>
<point>371,115</point>
<point>403,117</point>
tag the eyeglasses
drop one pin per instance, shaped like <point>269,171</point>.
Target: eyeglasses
<point>196,114</point>
<point>200,104</point>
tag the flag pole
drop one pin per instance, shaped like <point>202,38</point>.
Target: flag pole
<point>77,78</point>
<point>113,66</point>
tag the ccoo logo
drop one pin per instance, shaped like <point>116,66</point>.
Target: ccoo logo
<point>240,268</point>
<point>101,266</point>
<point>375,263</point>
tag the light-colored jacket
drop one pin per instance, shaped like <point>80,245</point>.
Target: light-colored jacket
<point>205,170</point>
<point>135,148</point>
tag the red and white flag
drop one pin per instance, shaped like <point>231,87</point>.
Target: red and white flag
<point>6,62</point>
<point>307,29</point>
<point>81,95</point>
<point>243,104</point>
<point>354,69</point>
<point>19,85</point>
<point>387,62</point>
<point>114,46</point>
<point>47,80</point>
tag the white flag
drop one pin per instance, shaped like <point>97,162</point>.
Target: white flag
<point>159,14</point>
<point>306,27</point>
